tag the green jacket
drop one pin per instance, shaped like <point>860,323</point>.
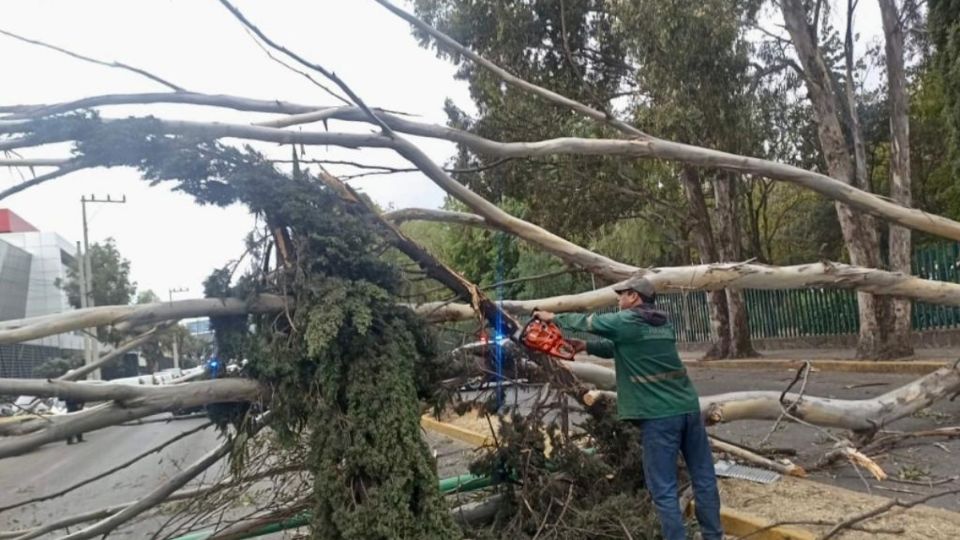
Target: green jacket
<point>651,379</point>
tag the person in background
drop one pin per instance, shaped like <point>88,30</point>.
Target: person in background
<point>74,406</point>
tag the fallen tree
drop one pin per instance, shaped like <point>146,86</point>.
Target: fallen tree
<point>864,415</point>
<point>126,318</point>
<point>123,404</point>
<point>730,275</point>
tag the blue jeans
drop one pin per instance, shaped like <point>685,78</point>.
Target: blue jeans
<point>663,439</point>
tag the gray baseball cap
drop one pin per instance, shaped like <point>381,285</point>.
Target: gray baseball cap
<point>637,283</point>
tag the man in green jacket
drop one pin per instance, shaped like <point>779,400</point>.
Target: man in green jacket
<point>655,393</point>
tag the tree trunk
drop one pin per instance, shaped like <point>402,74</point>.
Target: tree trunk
<point>860,415</point>
<point>728,248</point>
<point>125,403</point>
<point>125,318</point>
<point>721,275</point>
<point>702,233</point>
<point>859,234</point>
<point>899,343</point>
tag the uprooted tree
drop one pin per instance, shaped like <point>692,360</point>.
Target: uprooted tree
<point>343,366</point>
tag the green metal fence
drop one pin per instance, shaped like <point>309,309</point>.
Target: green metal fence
<point>816,312</point>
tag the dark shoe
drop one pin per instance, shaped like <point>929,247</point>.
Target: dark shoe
<point>69,441</point>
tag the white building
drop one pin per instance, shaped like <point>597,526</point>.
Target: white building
<point>31,264</point>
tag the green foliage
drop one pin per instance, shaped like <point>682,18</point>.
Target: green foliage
<point>345,361</point>
<point>55,367</point>
<point>944,25</point>
<point>932,160</point>
<point>111,277</point>
<point>598,494</point>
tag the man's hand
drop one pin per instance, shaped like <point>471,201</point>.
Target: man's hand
<point>545,316</point>
<point>578,345</point>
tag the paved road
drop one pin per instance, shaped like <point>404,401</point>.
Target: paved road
<point>922,462</point>
<point>57,465</point>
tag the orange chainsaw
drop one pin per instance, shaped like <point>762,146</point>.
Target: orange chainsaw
<point>547,338</point>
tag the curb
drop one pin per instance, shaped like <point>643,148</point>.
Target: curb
<point>455,432</point>
<point>735,522</point>
<point>845,366</point>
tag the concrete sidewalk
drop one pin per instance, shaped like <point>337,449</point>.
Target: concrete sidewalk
<point>930,355</point>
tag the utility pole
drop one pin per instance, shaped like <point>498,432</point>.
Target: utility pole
<point>176,355</point>
<point>86,276</point>
<point>83,302</point>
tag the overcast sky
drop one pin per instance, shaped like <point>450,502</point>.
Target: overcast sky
<point>170,241</point>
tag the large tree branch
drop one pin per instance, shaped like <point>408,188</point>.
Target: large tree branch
<point>660,149</point>
<point>130,403</point>
<point>866,415</point>
<point>732,275</point>
<point>654,148</point>
<point>127,317</point>
<point>858,415</point>
<point>65,169</point>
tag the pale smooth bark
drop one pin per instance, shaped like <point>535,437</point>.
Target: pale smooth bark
<point>125,403</point>
<point>900,237</point>
<point>863,415</point>
<point>859,236</point>
<point>653,148</point>
<point>125,318</point>
<point>735,275</point>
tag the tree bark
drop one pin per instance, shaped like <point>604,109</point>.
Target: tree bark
<point>863,415</point>
<point>728,249</point>
<point>655,148</point>
<point>736,275</point>
<point>859,234</point>
<point>899,343</point>
<point>126,403</point>
<point>702,233</point>
<point>866,415</point>
<point>125,318</point>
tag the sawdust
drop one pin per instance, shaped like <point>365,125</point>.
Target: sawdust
<point>474,421</point>
<point>793,499</point>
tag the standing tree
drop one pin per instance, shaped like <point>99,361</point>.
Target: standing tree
<point>841,142</point>
<point>111,277</point>
<point>899,340</point>
<point>611,55</point>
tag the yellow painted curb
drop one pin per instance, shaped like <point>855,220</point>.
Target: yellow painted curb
<point>739,523</point>
<point>734,522</point>
<point>849,366</point>
<point>455,432</point>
